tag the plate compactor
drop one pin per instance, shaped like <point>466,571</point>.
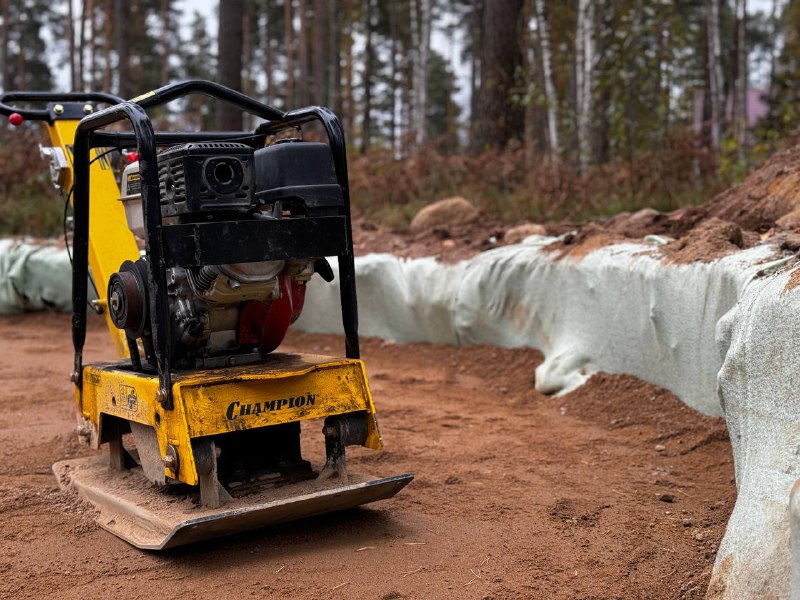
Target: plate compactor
<point>201,415</point>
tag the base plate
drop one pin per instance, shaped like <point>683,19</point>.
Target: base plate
<point>153,518</point>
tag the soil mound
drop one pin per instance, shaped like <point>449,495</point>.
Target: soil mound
<point>769,198</point>
<point>709,241</point>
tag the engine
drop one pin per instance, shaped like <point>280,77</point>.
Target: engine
<point>225,314</point>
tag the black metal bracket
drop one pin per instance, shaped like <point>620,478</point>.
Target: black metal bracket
<point>157,283</point>
<point>335,232</point>
<point>347,269</point>
<point>49,114</point>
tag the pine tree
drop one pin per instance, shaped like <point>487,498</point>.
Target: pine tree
<point>198,57</point>
<point>25,66</point>
<point>229,61</point>
<point>498,120</point>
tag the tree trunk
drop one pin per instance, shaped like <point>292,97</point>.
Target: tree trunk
<point>334,64</point>
<point>406,93</point>
<point>532,72</point>
<point>715,75</point>
<point>497,120</point>
<point>247,63</point>
<point>90,9</point>
<point>5,79</point>
<point>319,86</point>
<point>393,77</point>
<point>474,68</point>
<point>741,81</point>
<point>422,73</point>
<point>302,54</point>
<point>21,70</point>
<point>421,44</point>
<point>369,59</point>
<point>631,93</point>
<point>164,42</point>
<point>81,45</point>
<point>269,93</point>
<point>603,74</point>
<point>230,60</point>
<point>584,70</point>
<point>288,32</point>
<point>414,116</point>
<point>776,29</point>
<point>107,35</point>
<point>70,33</point>
<point>122,46</point>
<point>547,72</point>
<point>348,102</point>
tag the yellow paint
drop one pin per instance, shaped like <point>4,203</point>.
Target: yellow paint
<point>110,241</point>
<point>143,96</point>
<point>203,399</point>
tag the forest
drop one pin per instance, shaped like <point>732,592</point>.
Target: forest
<point>532,109</point>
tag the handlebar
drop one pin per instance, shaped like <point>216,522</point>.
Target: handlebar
<point>151,99</point>
<point>146,140</point>
<point>45,114</point>
<point>172,91</point>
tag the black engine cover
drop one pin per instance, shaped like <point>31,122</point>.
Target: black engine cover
<point>206,177</point>
<point>298,172</point>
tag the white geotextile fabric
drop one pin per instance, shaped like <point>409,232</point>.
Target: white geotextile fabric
<point>619,310</point>
<point>34,277</point>
<point>758,386</point>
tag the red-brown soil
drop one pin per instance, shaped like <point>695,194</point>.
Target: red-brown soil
<point>614,491</point>
<point>765,205</point>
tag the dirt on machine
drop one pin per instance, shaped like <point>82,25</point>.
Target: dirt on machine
<point>202,413</point>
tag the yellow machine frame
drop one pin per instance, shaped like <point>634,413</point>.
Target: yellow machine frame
<point>287,388</point>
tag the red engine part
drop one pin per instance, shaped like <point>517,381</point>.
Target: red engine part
<point>264,323</point>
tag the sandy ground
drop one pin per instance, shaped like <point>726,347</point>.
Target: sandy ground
<point>614,491</point>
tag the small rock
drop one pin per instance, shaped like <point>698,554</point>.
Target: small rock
<point>660,448</point>
<point>791,242</point>
<point>687,522</point>
<point>445,213</point>
<point>516,234</point>
<point>448,244</point>
<point>452,480</point>
<point>699,537</point>
<point>665,497</point>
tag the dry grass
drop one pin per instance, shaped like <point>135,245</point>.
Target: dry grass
<point>28,203</point>
<point>391,191</point>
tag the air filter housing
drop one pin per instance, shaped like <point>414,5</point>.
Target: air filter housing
<point>300,173</point>
<point>206,177</point>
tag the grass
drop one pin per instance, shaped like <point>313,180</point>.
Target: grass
<point>391,191</point>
